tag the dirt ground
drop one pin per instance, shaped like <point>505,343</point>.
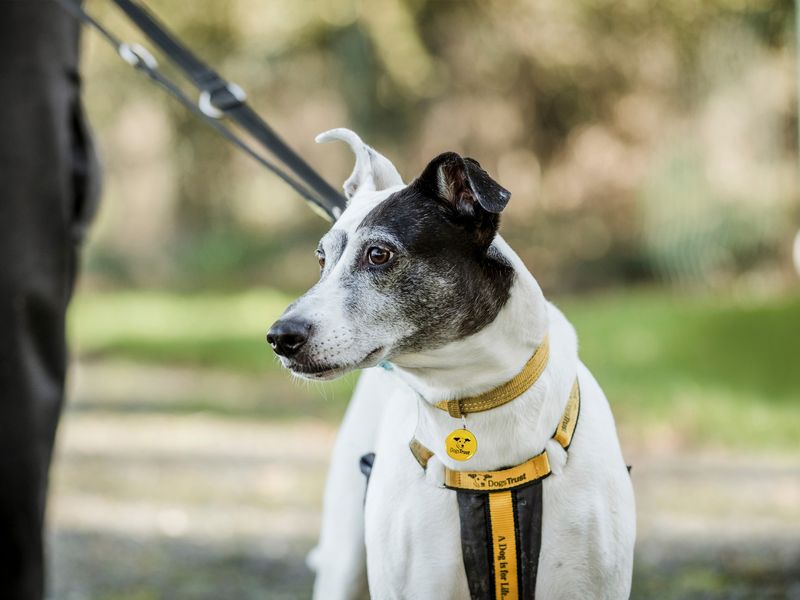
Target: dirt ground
<point>151,502</point>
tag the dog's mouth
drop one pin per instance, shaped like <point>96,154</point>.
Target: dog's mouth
<point>322,372</point>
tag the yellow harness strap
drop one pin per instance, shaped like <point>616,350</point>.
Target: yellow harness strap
<point>504,545</point>
<point>420,452</point>
<point>569,420</point>
<point>536,468</point>
<point>504,393</point>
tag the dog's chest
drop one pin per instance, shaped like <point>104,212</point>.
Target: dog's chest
<point>411,527</point>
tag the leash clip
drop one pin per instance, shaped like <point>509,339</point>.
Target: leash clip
<point>207,106</point>
<point>137,55</point>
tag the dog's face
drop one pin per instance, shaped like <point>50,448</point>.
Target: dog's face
<point>462,442</point>
<point>481,479</point>
<point>404,269</point>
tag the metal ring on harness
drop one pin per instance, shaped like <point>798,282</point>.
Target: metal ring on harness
<point>206,104</point>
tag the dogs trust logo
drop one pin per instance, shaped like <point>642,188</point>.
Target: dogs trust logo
<point>486,480</point>
<point>481,479</point>
<point>461,444</point>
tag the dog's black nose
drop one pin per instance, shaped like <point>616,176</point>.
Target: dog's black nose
<point>287,336</point>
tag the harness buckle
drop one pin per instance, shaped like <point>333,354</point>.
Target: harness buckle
<point>213,103</point>
<point>137,55</point>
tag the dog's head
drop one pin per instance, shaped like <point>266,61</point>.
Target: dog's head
<point>405,269</point>
<point>461,442</point>
<point>481,479</point>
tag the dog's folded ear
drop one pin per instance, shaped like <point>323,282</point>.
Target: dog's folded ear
<point>462,185</point>
<point>372,171</point>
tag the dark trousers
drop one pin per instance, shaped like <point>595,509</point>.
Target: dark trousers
<point>47,195</point>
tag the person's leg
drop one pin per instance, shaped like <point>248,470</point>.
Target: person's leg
<point>46,196</point>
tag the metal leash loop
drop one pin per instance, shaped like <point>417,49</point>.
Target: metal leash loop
<point>137,55</point>
<point>215,102</point>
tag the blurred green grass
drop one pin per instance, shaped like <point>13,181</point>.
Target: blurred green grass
<point>715,370</point>
<point>710,370</point>
<point>217,330</point>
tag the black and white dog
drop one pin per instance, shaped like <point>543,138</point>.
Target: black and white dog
<point>417,276</point>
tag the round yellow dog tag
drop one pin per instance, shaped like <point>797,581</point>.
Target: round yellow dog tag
<point>461,444</point>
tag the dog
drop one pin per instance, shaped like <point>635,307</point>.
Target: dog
<point>418,289</point>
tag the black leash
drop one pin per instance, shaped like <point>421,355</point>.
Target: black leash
<point>218,98</point>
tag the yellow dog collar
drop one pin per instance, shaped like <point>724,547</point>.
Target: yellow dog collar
<point>504,393</point>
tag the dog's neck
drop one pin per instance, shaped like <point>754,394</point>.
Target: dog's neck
<point>489,357</point>
<point>516,431</point>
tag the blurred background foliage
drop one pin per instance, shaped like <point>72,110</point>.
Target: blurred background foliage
<point>641,140</point>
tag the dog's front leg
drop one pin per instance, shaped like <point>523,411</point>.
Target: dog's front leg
<point>340,557</point>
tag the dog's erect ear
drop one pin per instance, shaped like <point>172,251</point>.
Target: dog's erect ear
<point>373,171</point>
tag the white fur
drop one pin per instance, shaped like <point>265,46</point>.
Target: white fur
<point>406,534</point>
<point>372,170</point>
<point>338,340</point>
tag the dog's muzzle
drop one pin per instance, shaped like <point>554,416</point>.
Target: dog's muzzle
<point>288,336</point>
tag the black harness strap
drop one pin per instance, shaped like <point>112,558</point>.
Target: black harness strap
<point>218,98</point>
<point>528,517</point>
<point>476,544</point>
<point>476,541</point>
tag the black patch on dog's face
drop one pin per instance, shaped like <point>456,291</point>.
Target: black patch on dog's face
<point>445,282</point>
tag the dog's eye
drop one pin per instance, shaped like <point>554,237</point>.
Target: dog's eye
<point>378,256</point>
<point>321,258</point>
